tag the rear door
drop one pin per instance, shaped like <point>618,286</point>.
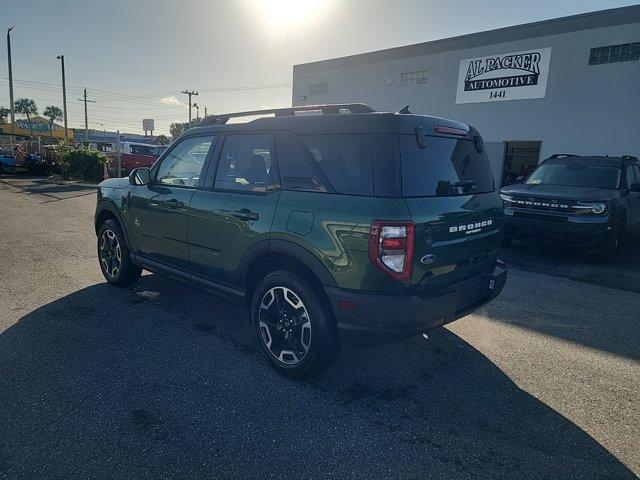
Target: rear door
<point>449,189</point>
<point>235,209</point>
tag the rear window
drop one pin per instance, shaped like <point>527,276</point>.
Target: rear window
<point>445,167</point>
<point>576,174</point>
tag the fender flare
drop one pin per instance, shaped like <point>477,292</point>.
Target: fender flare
<point>291,249</point>
<point>107,205</point>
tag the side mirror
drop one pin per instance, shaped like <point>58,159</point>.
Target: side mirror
<point>520,179</point>
<point>140,176</point>
<point>635,187</point>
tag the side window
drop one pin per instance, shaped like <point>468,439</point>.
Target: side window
<point>297,169</point>
<point>631,178</point>
<point>245,163</point>
<point>183,164</point>
<point>345,159</point>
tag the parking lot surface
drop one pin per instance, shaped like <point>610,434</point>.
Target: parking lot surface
<point>163,381</point>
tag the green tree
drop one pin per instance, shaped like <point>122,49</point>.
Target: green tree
<point>177,129</point>
<point>53,113</point>
<point>26,106</point>
<point>4,114</point>
<point>162,140</point>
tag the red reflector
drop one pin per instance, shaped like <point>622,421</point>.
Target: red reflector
<point>393,243</point>
<point>346,305</point>
<point>450,130</point>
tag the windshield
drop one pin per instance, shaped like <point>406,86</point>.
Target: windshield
<point>573,174</point>
<point>445,167</point>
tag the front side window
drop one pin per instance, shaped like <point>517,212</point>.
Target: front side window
<point>183,164</point>
<point>245,163</point>
<point>576,174</point>
<point>445,167</point>
<point>147,150</point>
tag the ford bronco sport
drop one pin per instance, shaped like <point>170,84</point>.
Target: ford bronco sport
<point>330,222</point>
<point>579,201</point>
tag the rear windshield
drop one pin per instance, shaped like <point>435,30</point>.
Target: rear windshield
<point>575,174</point>
<point>445,167</point>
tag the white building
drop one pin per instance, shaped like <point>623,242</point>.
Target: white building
<point>568,85</point>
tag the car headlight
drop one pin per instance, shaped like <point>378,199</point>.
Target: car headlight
<point>508,199</point>
<point>591,207</point>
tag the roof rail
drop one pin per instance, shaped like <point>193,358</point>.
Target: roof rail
<point>221,119</point>
<point>629,157</point>
<point>562,155</point>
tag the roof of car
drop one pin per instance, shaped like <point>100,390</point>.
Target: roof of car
<point>590,160</point>
<point>309,121</point>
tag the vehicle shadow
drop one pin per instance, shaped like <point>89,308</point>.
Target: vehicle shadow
<point>52,191</point>
<point>164,381</point>
<point>577,264</point>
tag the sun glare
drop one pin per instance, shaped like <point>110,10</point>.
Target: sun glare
<point>289,13</point>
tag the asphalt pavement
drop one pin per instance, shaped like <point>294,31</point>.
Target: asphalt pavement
<point>163,381</point>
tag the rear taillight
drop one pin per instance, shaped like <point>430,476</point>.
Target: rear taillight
<point>391,246</point>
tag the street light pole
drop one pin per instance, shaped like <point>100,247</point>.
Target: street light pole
<point>13,118</point>
<point>64,97</point>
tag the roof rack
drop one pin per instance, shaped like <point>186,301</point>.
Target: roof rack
<point>629,157</point>
<point>562,155</point>
<point>223,118</point>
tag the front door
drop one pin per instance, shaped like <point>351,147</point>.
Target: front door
<point>237,209</point>
<point>633,176</point>
<point>159,211</point>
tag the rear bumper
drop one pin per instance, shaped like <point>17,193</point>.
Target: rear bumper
<point>580,232</point>
<point>390,317</point>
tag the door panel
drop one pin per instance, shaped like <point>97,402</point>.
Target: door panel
<point>159,211</point>
<point>159,223</point>
<point>226,220</point>
<point>222,227</point>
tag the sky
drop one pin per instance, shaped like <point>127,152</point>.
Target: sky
<point>135,57</point>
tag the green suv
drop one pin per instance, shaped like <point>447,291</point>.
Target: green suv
<point>329,222</point>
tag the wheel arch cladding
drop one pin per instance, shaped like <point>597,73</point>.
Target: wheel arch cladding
<point>106,211</point>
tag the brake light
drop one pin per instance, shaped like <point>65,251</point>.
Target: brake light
<point>391,247</point>
<point>450,130</point>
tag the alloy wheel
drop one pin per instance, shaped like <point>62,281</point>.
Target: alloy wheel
<point>110,253</point>
<point>285,326</point>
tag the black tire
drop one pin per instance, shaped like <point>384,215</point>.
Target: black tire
<point>612,245</point>
<point>307,345</point>
<point>113,256</point>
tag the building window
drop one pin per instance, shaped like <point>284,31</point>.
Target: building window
<point>318,89</point>
<point>413,78</point>
<point>627,52</point>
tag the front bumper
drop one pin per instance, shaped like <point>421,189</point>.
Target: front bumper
<point>583,232</point>
<point>381,318</point>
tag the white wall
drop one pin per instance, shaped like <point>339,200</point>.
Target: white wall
<point>587,109</point>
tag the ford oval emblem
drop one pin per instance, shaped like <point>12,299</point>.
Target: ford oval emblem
<point>428,259</point>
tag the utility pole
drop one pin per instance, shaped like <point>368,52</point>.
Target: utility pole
<point>64,97</point>
<point>190,93</point>
<point>86,118</point>
<point>13,118</point>
<point>205,111</point>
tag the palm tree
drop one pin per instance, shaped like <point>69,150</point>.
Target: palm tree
<point>4,113</point>
<point>26,106</point>
<point>53,113</point>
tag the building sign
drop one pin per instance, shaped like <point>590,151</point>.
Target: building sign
<point>508,76</point>
<point>39,126</point>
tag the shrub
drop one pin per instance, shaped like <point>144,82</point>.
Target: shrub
<point>81,162</point>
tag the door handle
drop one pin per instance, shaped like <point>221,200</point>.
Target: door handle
<point>173,204</point>
<point>246,214</point>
